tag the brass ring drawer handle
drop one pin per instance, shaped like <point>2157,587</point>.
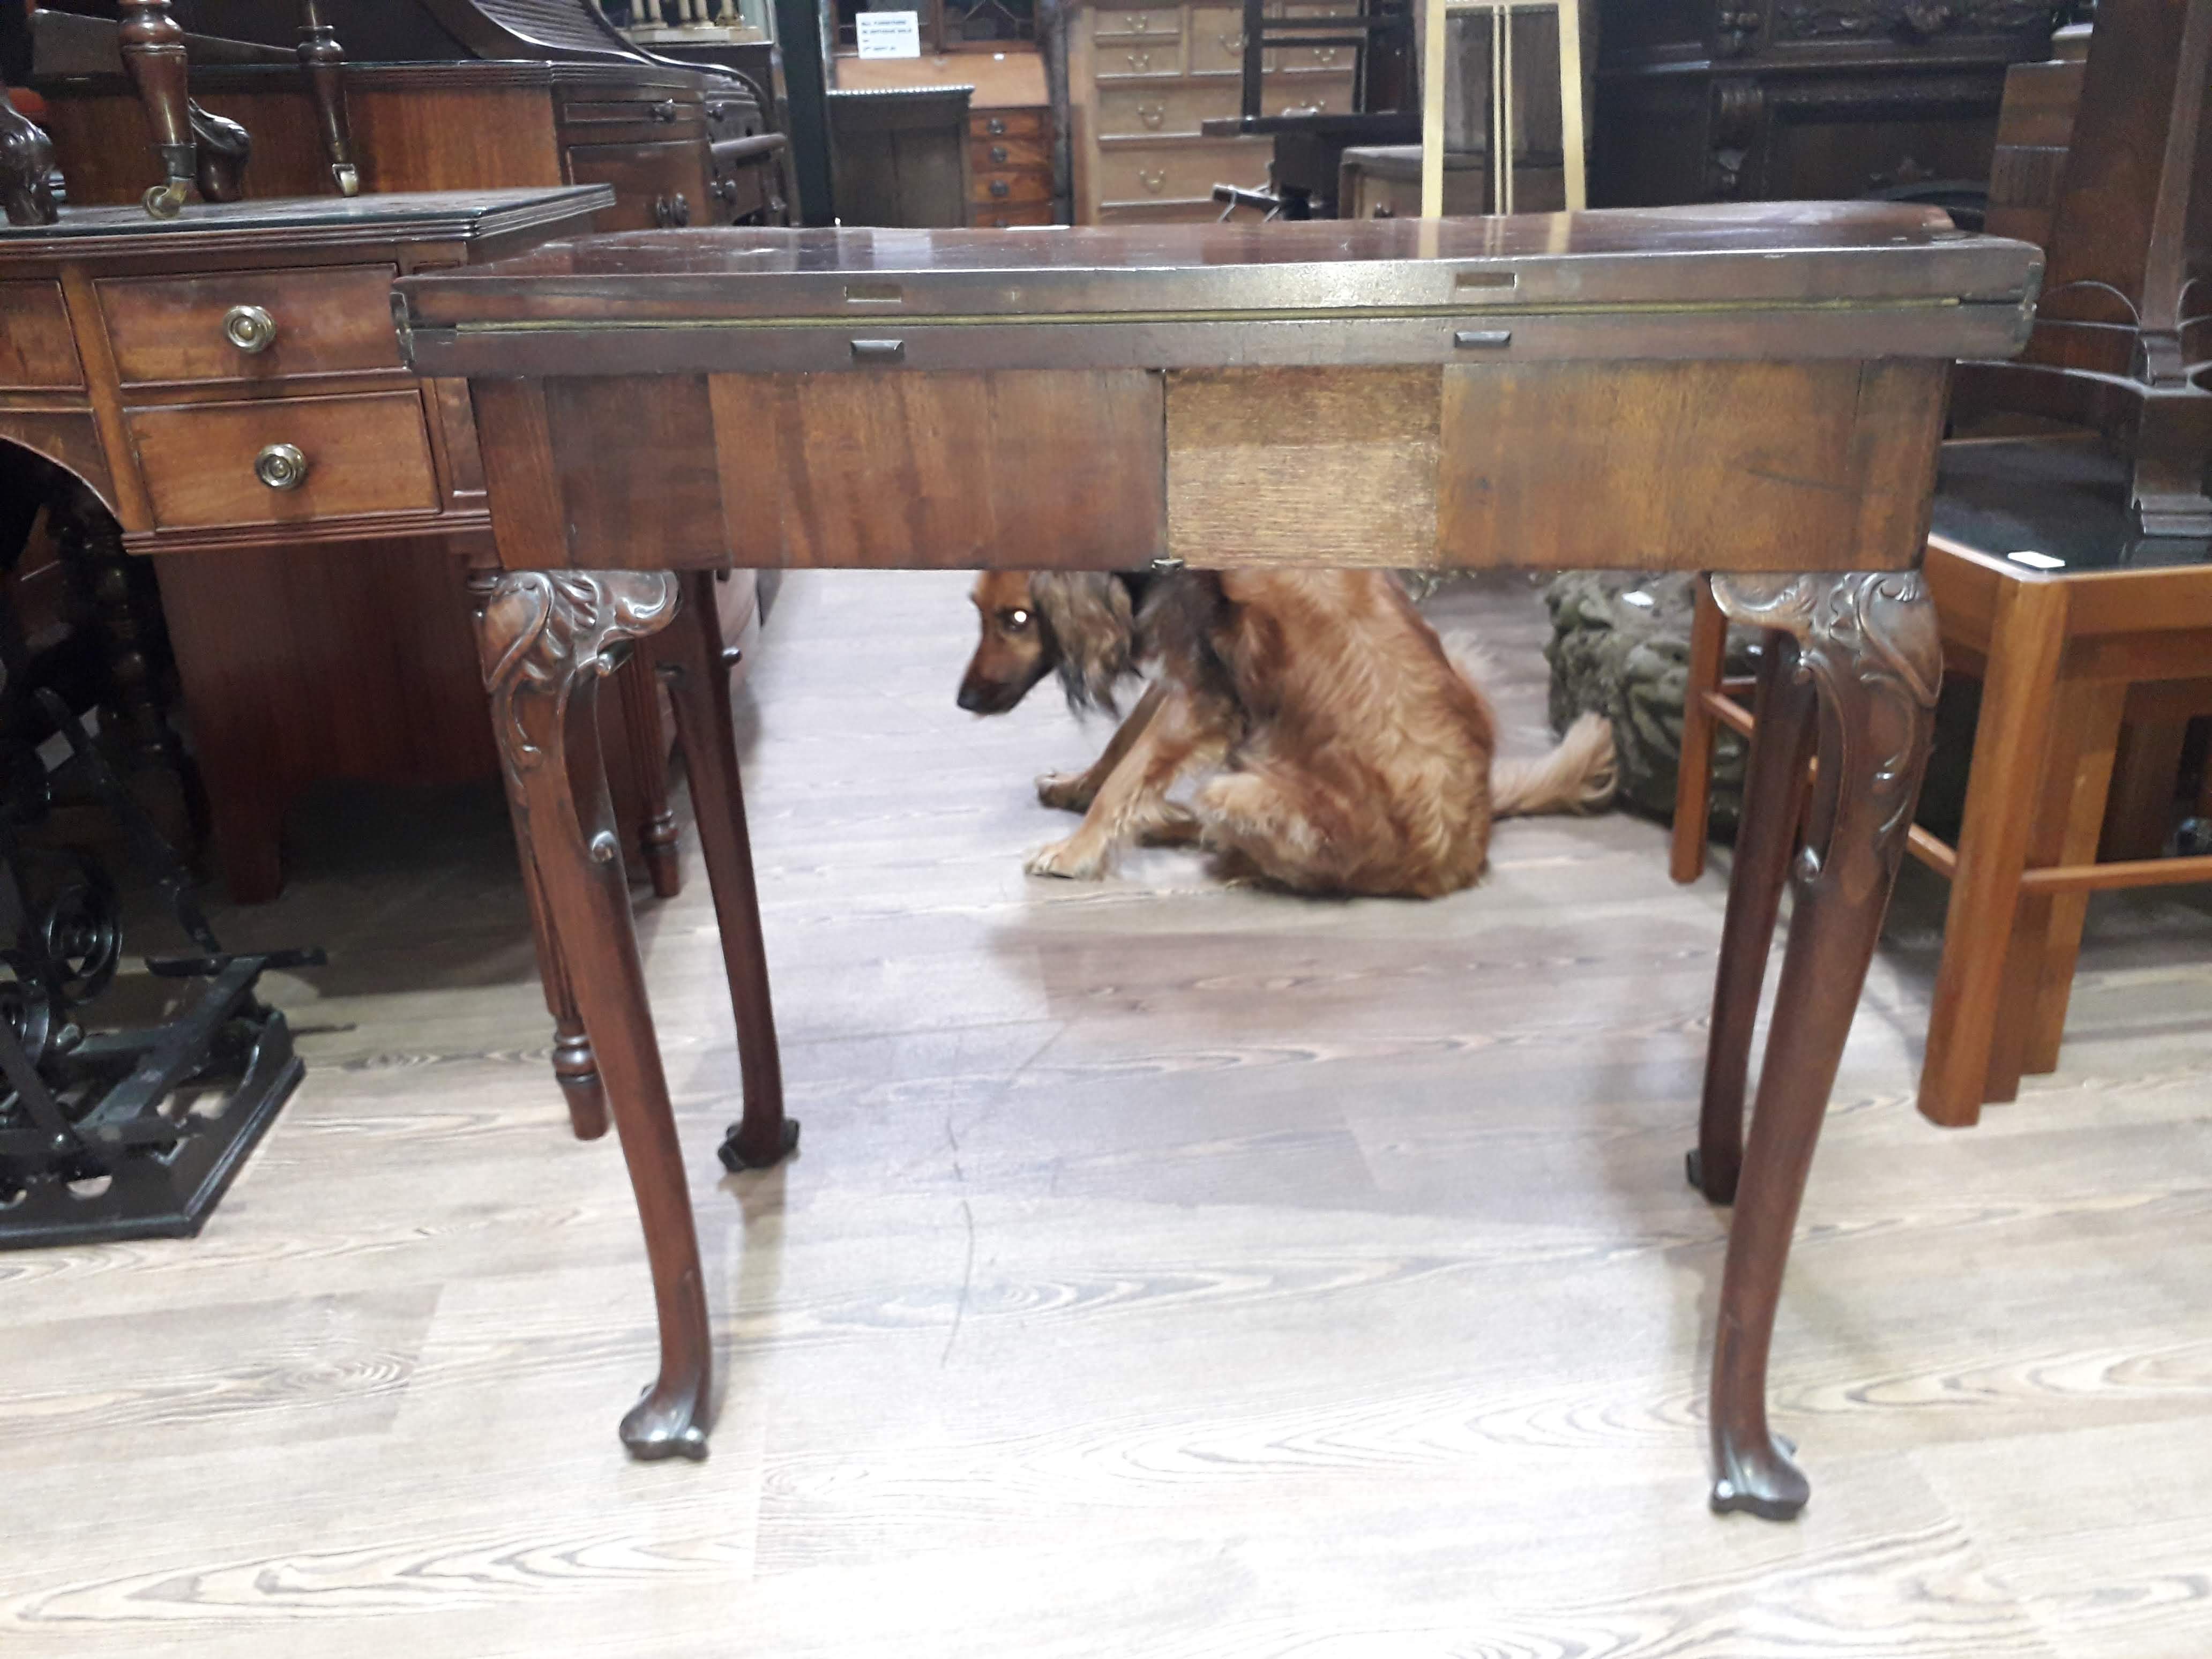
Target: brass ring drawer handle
<point>281,466</point>
<point>1140,63</point>
<point>1151,178</point>
<point>1153,115</point>
<point>1139,22</point>
<point>249,328</point>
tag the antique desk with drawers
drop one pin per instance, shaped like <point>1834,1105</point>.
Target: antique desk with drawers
<point>1757,392</point>
<point>230,380</point>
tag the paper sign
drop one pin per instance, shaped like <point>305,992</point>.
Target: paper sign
<point>889,33</point>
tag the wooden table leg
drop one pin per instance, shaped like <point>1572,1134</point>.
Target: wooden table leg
<point>2026,638</point>
<point>548,637</point>
<point>1869,647</point>
<point>1766,837</point>
<point>1693,777</point>
<point>153,48</point>
<point>322,60</point>
<point>696,665</point>
<point>574,1067</point>
<point>659,843</point>
<point>2046,930</point>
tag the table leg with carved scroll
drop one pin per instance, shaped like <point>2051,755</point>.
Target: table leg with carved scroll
<point>1866,651</point>
<point>548,638</point>
<point>574,1066</point>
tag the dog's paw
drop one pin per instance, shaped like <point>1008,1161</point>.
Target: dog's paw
<point>1064,791</point>
<point>1069,859</point>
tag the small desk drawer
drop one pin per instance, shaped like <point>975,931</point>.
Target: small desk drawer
<point>1011,218</point>
<point>997,124</point>
<point>249,325</point>
<point>1133,176</point>
<point>1175,111</point>
<point>657,186</point>
<point>1152,24</point>
<point>1034,151</point>
<point>361,455</point>
<point>1119,60</point>
<point>1005,189</point>
<point>36,348</point>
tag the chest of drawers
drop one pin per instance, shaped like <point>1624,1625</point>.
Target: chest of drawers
<point>1142,80</point>
<point>1010,168</point>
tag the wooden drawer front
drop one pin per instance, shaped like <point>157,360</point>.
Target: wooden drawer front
<point>637,121</point>
<point>36,349</point>
<point>1326,95</point>
<point>1032,151</point>
<point>1009,123</point>
<point>1121,60</point>
<point>1007,189</point>
<point>1312,57</point>
<point>364,455</point>
<point>656,185</point>
<point>1132,177</point>
<point>1168,111</point>
<point>170,329</point>
<point>1153,23</point>
<point>995,217</point>
<point>1217,47</point>
<point>1162,213</point>
<point>1217,41</point>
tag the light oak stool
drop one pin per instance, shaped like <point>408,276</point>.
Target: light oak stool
<point>2094,647</point>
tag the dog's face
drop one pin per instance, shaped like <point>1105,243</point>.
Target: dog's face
<point>1017,649</point>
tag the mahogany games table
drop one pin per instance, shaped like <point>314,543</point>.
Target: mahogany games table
<point>1754,391</point>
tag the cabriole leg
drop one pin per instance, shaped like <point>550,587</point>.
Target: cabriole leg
<point>1868,649</point>
<point>548,638</point>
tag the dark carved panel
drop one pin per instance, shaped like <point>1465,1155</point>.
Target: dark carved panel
<point>1905,20</point>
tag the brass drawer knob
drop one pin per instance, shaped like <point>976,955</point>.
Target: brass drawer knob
<point>665,111</point>
<point>998,154</point>
<point>996,126</point>
<point>249,328</point>
<point>281,466</point>
<point>1000,187</point>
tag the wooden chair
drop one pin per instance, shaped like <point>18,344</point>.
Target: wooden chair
<point>2089,676</point>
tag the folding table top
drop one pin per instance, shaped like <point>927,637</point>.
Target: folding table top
<point>1772,281</point>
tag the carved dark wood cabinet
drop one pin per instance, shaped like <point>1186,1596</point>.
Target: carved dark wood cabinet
<point>1804,99</point>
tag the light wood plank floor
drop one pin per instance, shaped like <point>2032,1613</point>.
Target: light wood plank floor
<point>1168,1271</point>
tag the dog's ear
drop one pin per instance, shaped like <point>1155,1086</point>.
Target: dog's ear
<point>1087,614</point>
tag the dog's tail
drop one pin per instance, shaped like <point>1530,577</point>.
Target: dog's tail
<point>1576,776</point>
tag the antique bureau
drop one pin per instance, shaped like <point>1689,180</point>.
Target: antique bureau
<point>1754,391</point>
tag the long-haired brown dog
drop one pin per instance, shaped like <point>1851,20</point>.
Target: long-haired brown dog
<point>1346,752</point>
